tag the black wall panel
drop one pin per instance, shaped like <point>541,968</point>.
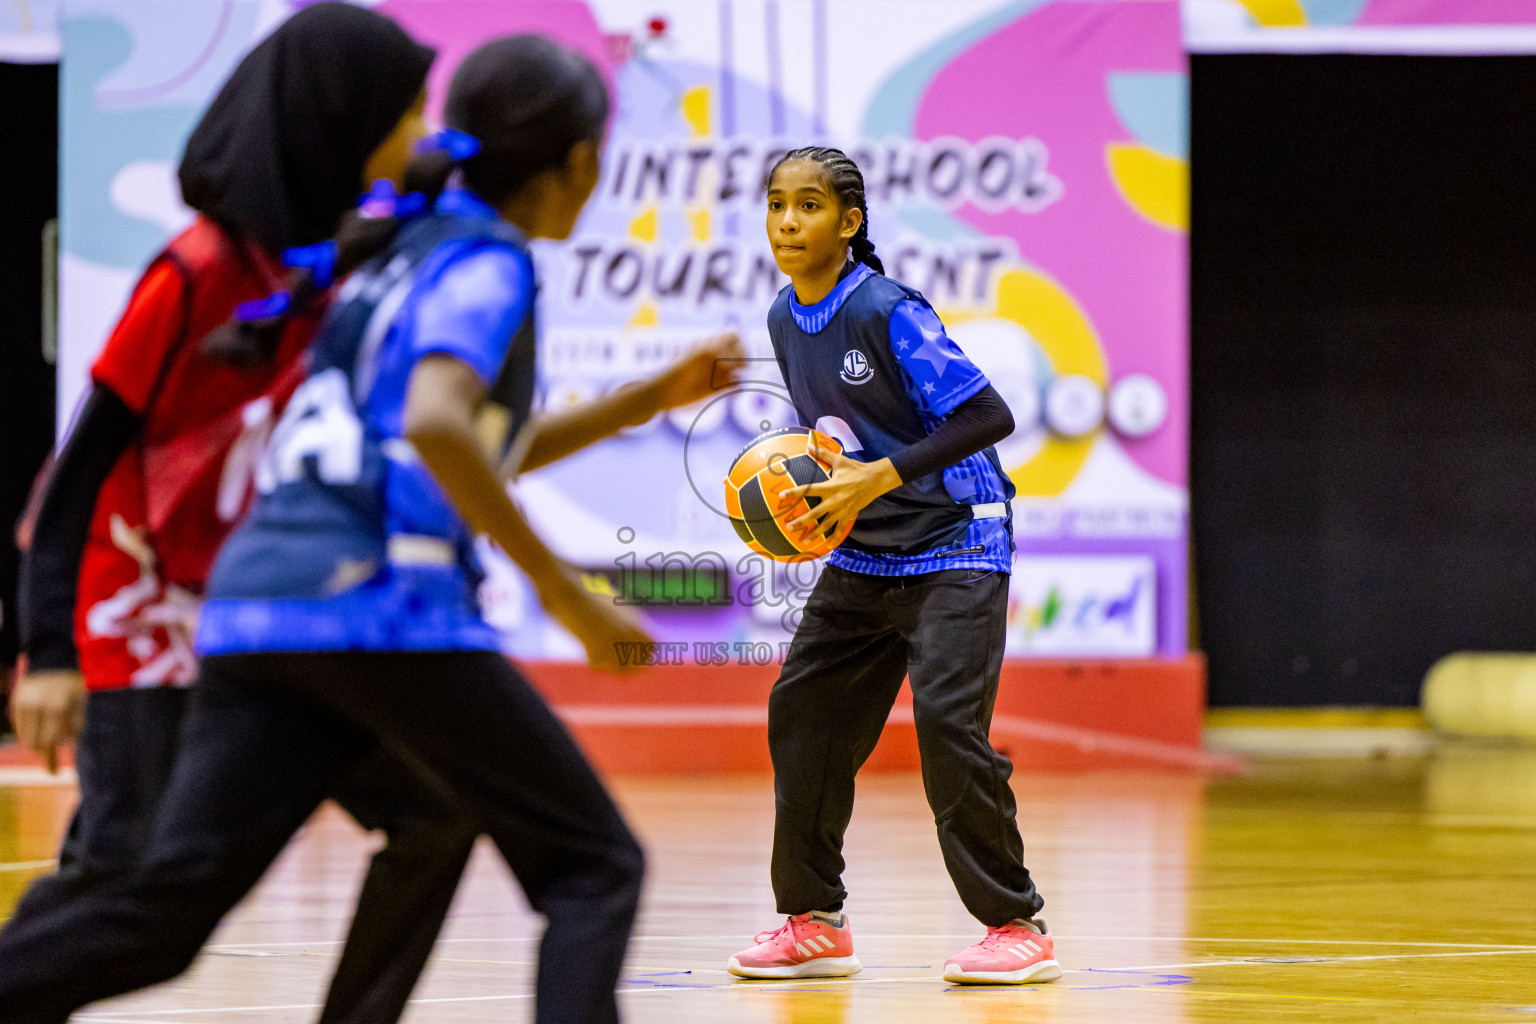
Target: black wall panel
<point>29,146</point>
<point>1364,370</point>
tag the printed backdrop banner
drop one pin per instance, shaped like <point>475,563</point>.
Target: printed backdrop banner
<point>29,28</point>
<point>1027,169</point>
<point>1470,27</point>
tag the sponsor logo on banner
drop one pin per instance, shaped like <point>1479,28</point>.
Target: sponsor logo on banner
<point>1083,605</point>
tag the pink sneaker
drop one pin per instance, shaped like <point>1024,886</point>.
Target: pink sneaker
<point>1011,955</point>
<point>804,947</point>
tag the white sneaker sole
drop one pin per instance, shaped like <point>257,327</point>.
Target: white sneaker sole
<point>1045,970</point>
<point>816,967</point>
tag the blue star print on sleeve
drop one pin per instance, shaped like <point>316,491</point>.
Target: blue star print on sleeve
<point>941,376</point>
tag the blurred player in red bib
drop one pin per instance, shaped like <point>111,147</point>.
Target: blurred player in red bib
<point>158,467</point>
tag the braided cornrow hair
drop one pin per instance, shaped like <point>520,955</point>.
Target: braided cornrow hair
<point>847,183</point>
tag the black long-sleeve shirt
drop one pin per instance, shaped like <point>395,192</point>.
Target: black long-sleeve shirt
<point>979,421</point>
<point>50,569</point>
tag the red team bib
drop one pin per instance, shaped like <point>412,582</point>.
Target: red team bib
<point>184,482</point>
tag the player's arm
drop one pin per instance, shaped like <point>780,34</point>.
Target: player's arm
<point>51,565</point>
<point>443,398</point>
<point>706,369</point>
<point>47,704</point>
<point>460,333</point>
<point>975,424</point>
<point>123,379</point>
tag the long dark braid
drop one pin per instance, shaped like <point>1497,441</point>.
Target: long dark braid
<point>251,338</point>
<point>847,182</point>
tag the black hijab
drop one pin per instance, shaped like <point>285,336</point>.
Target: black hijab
<point>279,154</point>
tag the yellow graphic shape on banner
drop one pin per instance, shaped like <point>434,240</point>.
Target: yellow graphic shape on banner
<point>696,113</point>
<point>698,221</point>
<point>1054,319</point>
<point>695,107</point>
<point>1155,185</point>
<point>644,227</point>
<point>646,316</point>
<point>1058,325</point>
<point>1056,322</point>
<point>1276,13</point>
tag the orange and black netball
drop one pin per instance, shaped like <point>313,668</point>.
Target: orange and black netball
<point>773,463</point>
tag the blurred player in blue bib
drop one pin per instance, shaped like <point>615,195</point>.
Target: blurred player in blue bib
<point>343,615</point>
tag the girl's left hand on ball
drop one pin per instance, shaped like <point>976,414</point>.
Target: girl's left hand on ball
<point>851,485</point>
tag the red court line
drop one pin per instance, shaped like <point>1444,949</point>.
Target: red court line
<point>1085,740</point>
<point>1096,741</point>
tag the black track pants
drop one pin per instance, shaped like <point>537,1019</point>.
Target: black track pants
<point>860,634</point>
<point>267,737</point>
<point>124,759</point>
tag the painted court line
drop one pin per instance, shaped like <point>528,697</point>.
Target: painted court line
<point>1095,741</point>
<point>218,946</point>
<point>27,865</point>
<point>1086,740</point>
<point>112,1014</point>
<point>1280,961</point>
<point>1504,946</point>
<point>739,985</point>
<point>28,776</point>
<point>108,1017</point>
<point>130,1017</point>
<point>1507,946</point>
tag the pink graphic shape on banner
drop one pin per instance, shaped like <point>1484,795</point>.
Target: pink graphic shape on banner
<point>1448,12</point>
<point>455,29</point>
<point>1049,74</point>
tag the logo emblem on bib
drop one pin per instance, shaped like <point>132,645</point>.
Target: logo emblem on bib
<point>856,369</point>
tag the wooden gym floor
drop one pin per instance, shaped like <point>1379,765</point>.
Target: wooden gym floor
<point>1304,891</point>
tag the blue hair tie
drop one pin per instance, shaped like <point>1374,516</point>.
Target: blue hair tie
<point>378,201</point>
<point>459,146</point>
<point>275,304</point>
<point>382,201</point>
<point>320,258</point>
<point>409,205</point>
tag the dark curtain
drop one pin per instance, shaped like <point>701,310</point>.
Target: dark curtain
<point>1364,370</point>
<point>29,178</point>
